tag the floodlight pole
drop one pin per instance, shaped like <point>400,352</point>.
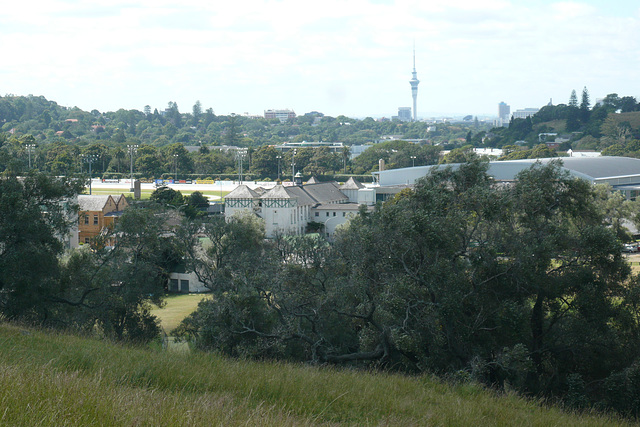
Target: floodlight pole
<point>132,150</point>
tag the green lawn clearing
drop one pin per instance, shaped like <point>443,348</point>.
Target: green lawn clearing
<point>177,307</point>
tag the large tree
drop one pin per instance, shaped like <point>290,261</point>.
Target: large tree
<point>36,214</point>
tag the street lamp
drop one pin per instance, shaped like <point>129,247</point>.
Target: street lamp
<point>413,159</point>
<point>29,148</point>
<point>132,149</point>
<point>89,158</point>
<point>240,156</point>
<point>293,165</point>
<point>278,157</point>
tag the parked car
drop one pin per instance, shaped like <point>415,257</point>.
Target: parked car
<point>630,247</point>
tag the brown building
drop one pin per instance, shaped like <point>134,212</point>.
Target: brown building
<point>98,212</point>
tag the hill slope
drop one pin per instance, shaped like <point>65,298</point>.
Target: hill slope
<point>50,379</point>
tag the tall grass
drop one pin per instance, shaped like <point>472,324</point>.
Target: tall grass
<point>55,379</point>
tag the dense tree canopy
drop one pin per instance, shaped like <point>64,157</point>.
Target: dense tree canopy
<point>522,285</point>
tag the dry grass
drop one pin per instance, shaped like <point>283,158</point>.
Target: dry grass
<point>48,379</point>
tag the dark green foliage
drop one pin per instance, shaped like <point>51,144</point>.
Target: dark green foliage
<point>167,196</point>
<point>520,286</point>
<point>106,289</point>
<point>35,217</point>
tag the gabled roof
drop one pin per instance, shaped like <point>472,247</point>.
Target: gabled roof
<point>260,190</point>
<point>93,203</point>
<point>313,180</point>
<point>325,192</point>
<point>242,192</point>
<point>277,192</point>
<point>304,198</point>
<point>351,184</point>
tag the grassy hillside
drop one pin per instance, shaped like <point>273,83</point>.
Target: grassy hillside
<point>51,379</point>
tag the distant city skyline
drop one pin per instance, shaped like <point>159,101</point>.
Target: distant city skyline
<point>341,58</point>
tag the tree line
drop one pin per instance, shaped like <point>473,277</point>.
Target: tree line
<point>518,287</point>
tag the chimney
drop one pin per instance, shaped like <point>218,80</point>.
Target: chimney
<point>381,165</point>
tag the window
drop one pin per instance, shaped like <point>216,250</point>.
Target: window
<point>86,220</point>
<point>173,286</point>
<point>86,240</point>
<point>95,220</point>
<point>327,213</point>
<point>344,214</point>
<point>317,213</point>
<point>334,214</point>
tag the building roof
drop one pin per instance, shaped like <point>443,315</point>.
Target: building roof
<point>96,202</point>
<point>325,192</point>
<point>242,192</point>
<point>300,193</point>
<point>313,180</point>
<point>351,184</point>
<point>260,190</point>
<point>590,168</point>
<point>338,207</point>
<point>277,192</point>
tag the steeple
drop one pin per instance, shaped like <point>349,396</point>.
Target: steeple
<point>414,82</point>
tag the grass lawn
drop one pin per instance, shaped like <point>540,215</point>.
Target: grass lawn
<point>177,307</point>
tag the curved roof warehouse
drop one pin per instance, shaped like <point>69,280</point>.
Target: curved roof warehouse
<point>622,173</point>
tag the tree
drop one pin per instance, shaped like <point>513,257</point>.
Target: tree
<point>167,196</point>
<point>197,112</point>
<point>573,99</point>
<point>522,285</point>
<point>35,216</point>
<point>113,286</point>
<point>265,162</point>
<point>585,103</point>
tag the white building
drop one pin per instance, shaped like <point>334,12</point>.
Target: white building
<point>523,114</point>
<point>282,115</point>
<point>290,210</point>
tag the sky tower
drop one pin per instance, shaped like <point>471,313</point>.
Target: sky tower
<point>414,82</point>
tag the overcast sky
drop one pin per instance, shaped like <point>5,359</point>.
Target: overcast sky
<point>337,57</point>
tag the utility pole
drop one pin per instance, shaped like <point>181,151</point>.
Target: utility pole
<point>132,150</point>
<point>413,159</point>
<point>29,148</point>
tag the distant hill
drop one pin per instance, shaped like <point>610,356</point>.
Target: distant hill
<point>48,379</point>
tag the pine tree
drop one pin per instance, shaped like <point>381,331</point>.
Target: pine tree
<point>573,99</point>
<point>585,113</point>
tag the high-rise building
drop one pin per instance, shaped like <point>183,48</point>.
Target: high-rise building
<point>414,82</point>
<point>404,114</point>
<point>504,110</point>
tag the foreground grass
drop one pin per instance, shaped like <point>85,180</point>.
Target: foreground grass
<point>50,379</point>
<point>176,308</point>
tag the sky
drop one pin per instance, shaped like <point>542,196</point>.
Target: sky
<point>337,57</point>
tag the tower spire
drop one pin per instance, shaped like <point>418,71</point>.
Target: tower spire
<point>414,82</point>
